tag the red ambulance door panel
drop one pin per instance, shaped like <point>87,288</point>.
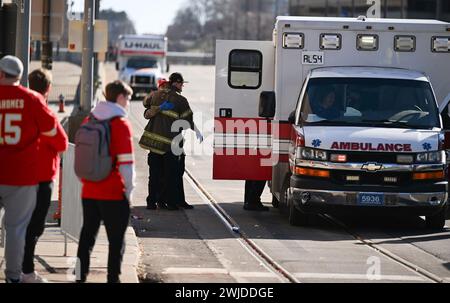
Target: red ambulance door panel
<point>242,140</point>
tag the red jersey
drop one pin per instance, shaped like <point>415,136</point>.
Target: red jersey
<point>49,149</point>
<point>121,149</point>
<point>24,116</point>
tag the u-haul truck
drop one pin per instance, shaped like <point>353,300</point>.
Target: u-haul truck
<point>338,114</point>
<point>141,61</point>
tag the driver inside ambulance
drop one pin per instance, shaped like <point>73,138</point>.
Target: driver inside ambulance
<point>326,107</point>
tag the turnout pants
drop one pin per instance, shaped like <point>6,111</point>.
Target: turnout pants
<point>166,179</point>
<point>253,191</point>
<point>37,225</point>
<point>156,179</point>
<point>19,203</point>
<point>115,215</point>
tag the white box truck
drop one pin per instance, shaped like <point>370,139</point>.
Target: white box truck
<point>339,114</point>
<point>141,61</point>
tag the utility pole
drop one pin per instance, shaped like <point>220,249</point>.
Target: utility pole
<point>402,10</point>
<point>87,71</point>
<point>96,63</point>
<point>277,8</point>
<point>87,56</point>
<point>47,45</point>
<point>23,36</point>
<point>439,9</point>
<point>258,20</point>
<point>246,9</point>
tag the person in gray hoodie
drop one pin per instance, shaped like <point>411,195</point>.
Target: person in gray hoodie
<point>109,200</point>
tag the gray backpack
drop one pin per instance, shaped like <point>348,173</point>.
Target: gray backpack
<point>93,161</point>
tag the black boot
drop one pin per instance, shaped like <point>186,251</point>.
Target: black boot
<point>151,206</point>
<point>255,207</point>
<point>185,205</point>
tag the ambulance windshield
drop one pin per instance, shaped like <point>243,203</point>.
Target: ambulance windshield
<point>370,101</point>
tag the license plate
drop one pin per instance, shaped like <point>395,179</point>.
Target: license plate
<point>371,199</point>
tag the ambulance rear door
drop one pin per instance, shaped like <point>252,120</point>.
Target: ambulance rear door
<point>242,140</point>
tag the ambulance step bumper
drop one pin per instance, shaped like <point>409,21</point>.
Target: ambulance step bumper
<point>420,200</point>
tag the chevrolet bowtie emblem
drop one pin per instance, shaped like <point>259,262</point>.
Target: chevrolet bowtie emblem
<point>372,167</point>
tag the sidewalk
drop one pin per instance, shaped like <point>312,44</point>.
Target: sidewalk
<point>50,260</point>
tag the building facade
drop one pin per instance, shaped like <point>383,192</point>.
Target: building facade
<point>410,9</point>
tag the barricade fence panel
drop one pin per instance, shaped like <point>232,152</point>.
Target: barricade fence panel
<point>2,227</point>
<point>72,209</point>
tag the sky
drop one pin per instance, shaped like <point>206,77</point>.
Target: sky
<point>149,16</point>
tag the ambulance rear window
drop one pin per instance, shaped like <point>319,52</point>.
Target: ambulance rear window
<point>245,69</point>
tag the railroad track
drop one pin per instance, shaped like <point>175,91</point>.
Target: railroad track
<point>271,264</point>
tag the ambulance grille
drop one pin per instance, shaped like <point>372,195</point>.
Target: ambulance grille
<point>367,178</point>
<point>148,80</point>
<point>383,158</point>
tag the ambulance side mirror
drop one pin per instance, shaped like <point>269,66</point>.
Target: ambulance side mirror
<point>267,105</point>
<point>445,114</point>
<point>291,118</point>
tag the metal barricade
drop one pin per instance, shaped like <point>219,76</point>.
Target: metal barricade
<point>72,210</point>
<point>2,226</point>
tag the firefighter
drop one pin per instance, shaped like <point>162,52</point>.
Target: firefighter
<point>252,198</point>
<point>166,157</point>
<point>156,198</point>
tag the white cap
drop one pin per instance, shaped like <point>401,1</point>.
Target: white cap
<point>12,66</point>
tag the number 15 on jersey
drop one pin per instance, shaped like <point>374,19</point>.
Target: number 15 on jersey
<point>10,133</point>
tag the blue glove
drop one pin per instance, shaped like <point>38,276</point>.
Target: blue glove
<point>199,136</point>
<point>167,106</point>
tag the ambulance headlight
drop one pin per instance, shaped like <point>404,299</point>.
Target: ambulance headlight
<point>313,154</point>
<point>367,42</point>
<point>431,157</point>
<point>405,43</point>
<point>441,44</point>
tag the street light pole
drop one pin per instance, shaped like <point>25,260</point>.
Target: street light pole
<point>47,45</point>
<point>23,34</point>
<point>87,56</point>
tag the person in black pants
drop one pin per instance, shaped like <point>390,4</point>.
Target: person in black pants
<point>253,192</point>
<point>156,187</point>
<point>37,225</point>
<point>109,200</point>
<point>40,81</point>
<point>182,198</point>
<point>115,215</point>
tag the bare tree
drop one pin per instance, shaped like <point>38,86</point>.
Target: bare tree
<point>222,19</point>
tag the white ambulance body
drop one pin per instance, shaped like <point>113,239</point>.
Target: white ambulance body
<point>141,61</point>
<point>268,126</point>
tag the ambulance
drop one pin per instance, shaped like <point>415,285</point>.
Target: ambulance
<point>339,115</point>
<point>142,61</point>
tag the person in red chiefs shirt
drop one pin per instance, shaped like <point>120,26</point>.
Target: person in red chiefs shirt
<point>109,200</point>
<point>48,154</point>
<point>24,117</point>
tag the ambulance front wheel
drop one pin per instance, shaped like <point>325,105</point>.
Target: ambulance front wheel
<point>296,216</point>
<point>437,221</point>
<point>275,202</point>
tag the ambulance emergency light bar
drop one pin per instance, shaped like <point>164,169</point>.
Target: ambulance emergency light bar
<point>365,42</point>
<point>330,41</point>
<point>405,43</point>
<point>441,44</point>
